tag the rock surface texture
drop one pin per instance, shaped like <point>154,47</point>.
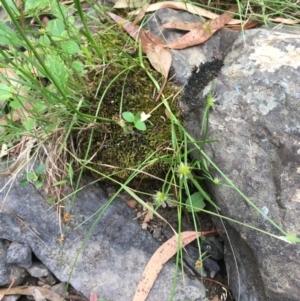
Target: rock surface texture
<point>256,121</point>
<point>113,257</point>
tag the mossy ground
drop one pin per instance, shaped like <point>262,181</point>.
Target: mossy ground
<point>121,84</point>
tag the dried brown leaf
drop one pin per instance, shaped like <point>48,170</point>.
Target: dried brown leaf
<point>222,20</point>
<point>194,37</point>
<point>284,21</point>
<point>246,25</point>
<point>149,215</point>
<point>153,46</point>
<point>187,7</point>
<point>159,258</point>
<point>24,290</point>
<point>36,294</point>
<point>141,14</point>
<point>180,25</point>
<point>128,3</point>
<point>200,35</point>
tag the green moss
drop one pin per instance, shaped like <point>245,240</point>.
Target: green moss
<point>111,94</point>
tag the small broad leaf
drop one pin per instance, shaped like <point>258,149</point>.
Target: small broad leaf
<point>32,176</point>
<point>70,47</point>
<point>58,70</point>
<point>140,125</point>
<point>15,104</point>
<point>29,124</point>
<point>24,182</point>
<point>44,40</point>
<point>40,169</point>
<point>5,92</point>
<point>78,66</point>
<point>36,4</point>
<point>56,27</point>
<point>37,186</point>
<point>195,202</point>
<point>58,10</point>
<point>128,116</point>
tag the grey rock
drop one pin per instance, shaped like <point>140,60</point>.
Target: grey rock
<point>9,273</point>
<point>19,254</point>
<point>213,247</point>
<point>156,232</point>
<point>11,298</point>
<point>50,279</point>
<point>38,270</point>
<point>4,273</point>
<point>111,259</point>
<point>60,289</point>
<point>257,126</point>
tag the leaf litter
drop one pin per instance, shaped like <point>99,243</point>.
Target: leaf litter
<point>160,257</point>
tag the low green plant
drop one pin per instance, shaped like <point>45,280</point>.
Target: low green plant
<point>138,120</point>
<point>36,177</point>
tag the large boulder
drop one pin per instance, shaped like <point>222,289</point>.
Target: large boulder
<point>256,121</point>
<point>108,259</point>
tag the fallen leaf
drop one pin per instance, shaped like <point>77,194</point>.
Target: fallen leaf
<point>149,215</point>
<point>141,14</point>
<point>187,7</point>
<point>132,203</point>
<point>200,35</point>
<point>153,46</point>
<point>246,25</point>
<point>36,294</point>
<point>159,258</point>
<point>3,151</point>
<point>180,25</point>
<point>24,290</point>
<point>93,297</point>
<point>128,3</point>
<point>284,21</point>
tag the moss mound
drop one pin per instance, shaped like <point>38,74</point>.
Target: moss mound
<point>114,88</point>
